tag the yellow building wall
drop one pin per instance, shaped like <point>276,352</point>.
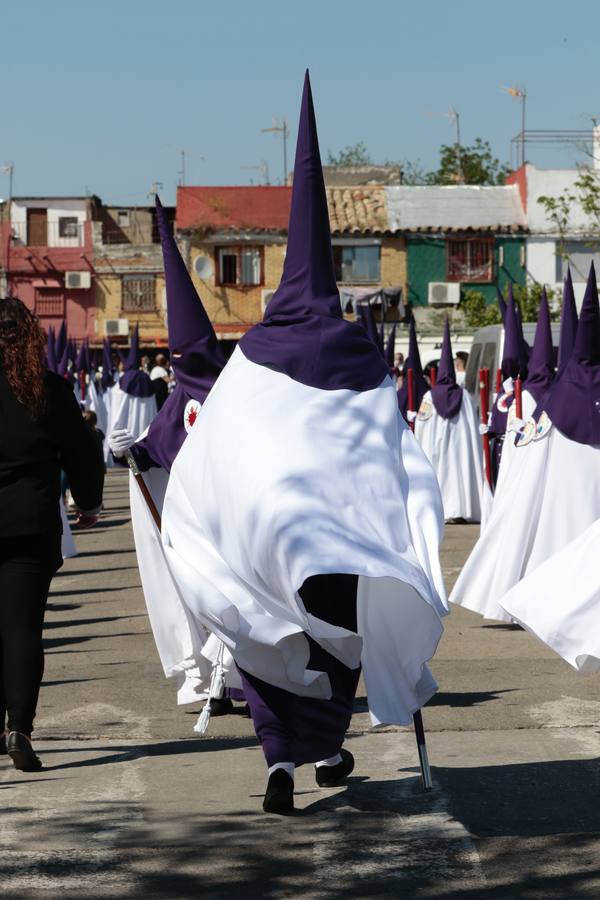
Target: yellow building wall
<point>109,306</point>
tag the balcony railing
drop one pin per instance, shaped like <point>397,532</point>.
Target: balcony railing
<point>49,234</point>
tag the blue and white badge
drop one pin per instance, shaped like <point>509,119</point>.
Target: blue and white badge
<point>190,414</point>
<point>526,436</point>
<point>543,427</point>
<point>425,411</point>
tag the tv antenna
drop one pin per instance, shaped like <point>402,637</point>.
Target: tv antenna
<point>519,93</point>
<point>280,126</point>
<point>263,168</point>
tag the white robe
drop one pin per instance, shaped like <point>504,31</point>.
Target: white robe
<point>95,401</point>
<point>550,495</point>
<point>185,649</point>
<point>528,404</point>
<point>280,481</point>
<point>454,449</point>
<point>111,395</point>
<point>133,413</point>
<point>68,548</point>
<point>559,601</point>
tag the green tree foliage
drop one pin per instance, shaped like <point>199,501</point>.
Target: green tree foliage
<point>354,155</point>
<point>478,313</point>
<point>585,193</point>
<point>473,164</point>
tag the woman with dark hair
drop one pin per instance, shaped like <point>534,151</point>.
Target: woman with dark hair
<point>42,432</point>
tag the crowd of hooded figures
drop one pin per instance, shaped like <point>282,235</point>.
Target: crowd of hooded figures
<point>288,504</point>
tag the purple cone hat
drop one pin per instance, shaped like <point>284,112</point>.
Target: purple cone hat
<point>368,322</point>
<point>447,395</point>
<point>195,356</point>
<point>390,347</point>
<point>413,361</point>
<point>511,359</point>
<point>501,304</point>
<point>61,340</point>
<point>134,381</point>
<point>303,332</point>
<point>568,323</point>
<point>51,351</point>
<point>63,362</point>
<point>82,363</point>
<point>573,401</point>
<point>107,365</point>
<point>541,360</point>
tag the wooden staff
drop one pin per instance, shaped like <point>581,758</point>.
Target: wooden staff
<point>410,382</point>
<point>498,381</point>
<point>143,488</point>
<point>519,397</point>
<point>483,403</point>
<point>432,376</point>
<point>422,748</point>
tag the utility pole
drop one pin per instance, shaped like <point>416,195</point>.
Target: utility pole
<point>280,126</point>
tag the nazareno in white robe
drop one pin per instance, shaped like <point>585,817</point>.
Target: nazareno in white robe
<point>187,652</point>
<point>133,413</point>
<point>528,403</point>
<point>550,495</point>
<point>336,484</point>
<point>559,602</point>
<point>454,449</point>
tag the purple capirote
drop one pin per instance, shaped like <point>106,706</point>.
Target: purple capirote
<point>413,361</point>
<point>303,333</point>
<point>573,400</point>
<point>447,395</point>
<point>540,370</point>
<point>301,729</point>
<point>568,323</point>
<point>195,357</point>
<point>512,361</point>
<point>107,365</point>
<point>61,340</point>
<point>390,348</point>
<point>133,381</point>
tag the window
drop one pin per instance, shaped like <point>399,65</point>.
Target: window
<point>139,294</point>
<point>239,265</point>
<point>356,263</point>
<point>579,255</point>
<point>123,218</point>
<point>470,259</point>
<point>49,302</point>
<point>68,227</point>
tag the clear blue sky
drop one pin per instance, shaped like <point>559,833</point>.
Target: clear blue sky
<point>103,95</point>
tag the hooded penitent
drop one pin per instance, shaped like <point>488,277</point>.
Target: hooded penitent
<point>540,369</point>
<point>51,351</point>
<point>552,487</point>
<point>446,395</point>
<point>368,321</point>
<point>61,339</point>
<point>390,348</point>
<point>512,356</point>
<point>289,522</point>
<point>573,402</point>
<point>107,379</point>
<point>134,381</point>
<point>196,358</point>
<point>413,361</point>
<point>63,362</point>
<point>568,323</point>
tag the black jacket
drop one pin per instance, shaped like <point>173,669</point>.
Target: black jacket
<point>32,454</point>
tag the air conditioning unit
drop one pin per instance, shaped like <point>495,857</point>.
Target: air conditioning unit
<point>78,280</point>
<point>116,327</point>
<point>443,293</point>
<point>265,296</point>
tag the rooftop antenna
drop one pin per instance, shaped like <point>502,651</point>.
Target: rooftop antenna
<point>453,117</point>
<point>519,93</point>
<point>263,168</point>
<point>8,168</point>
<point>156,187</point>
<point>181,172</point>
<point>280,126</point>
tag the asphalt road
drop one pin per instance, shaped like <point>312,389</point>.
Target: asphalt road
<point>132,804</point>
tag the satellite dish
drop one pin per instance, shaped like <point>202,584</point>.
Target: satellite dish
<point>203,267</point>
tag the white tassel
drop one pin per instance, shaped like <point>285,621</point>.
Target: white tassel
<point>217,687</point>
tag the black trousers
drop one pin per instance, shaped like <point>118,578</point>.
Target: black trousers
<point>27,565</point>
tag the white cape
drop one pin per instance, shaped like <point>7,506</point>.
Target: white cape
<point>559,601</point>
<point>280,481</point>
<point>186,651</point>
<point>551,493</point>
<point>454,449</point>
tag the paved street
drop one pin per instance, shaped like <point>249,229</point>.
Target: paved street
<point>132,804</point>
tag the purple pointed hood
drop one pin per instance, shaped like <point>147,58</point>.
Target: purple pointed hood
<point>303,332</point>
<point>134,381</point>
<point>513,362</point>
<point>540,371</point>
<point>413,361</point>
<point>390,347</point>
<point>573,401</point>
<point>61,340</point>
<point>107,366</point>
<point>368,322</point>
<point>568,323</point>
<point>501,304</point>
<point>51,351</point>
<point>195,356</point>
<point>447,395</point>
<point>82,363</point>
<point>63,362</point>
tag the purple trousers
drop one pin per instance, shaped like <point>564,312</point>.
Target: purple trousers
<point>300,729</point>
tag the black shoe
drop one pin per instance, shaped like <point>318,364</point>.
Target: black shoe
<point>222,707</point>
<point>19,748</point>
<point>330,776</point>
<point>3,745</point>
<point>279,796</point>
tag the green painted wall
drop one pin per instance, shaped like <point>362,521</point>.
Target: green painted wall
<point>427,262</point>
